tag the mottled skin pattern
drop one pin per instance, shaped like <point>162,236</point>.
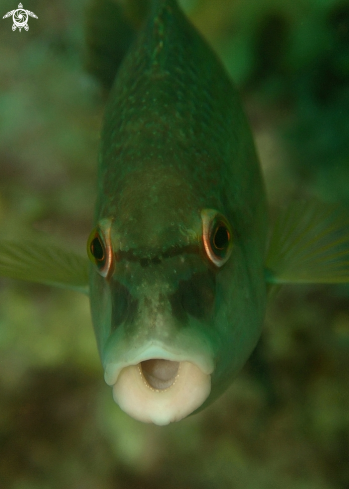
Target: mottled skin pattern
<point>176,141</point>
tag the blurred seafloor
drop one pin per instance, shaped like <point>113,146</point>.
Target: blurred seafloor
<point>284,423</point>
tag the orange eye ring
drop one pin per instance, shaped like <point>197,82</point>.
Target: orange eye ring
<point>217,236</point>
<point>99,248</point>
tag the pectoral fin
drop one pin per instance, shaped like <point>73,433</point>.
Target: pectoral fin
<point>46,263</point>
<point>309,244</point>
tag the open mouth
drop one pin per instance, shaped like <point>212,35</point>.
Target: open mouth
<point>160,391</point>
<point>159,374</point>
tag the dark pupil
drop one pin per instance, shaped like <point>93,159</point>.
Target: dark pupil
<point>221,237</point>
<point>97,249</point>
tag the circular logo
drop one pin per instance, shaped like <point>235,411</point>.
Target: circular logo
<point>20,18</point>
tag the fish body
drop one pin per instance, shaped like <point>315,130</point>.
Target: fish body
<point>179,260</point>
<point>176,142</point>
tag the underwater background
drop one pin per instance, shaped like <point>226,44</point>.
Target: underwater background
<point>285,420</point>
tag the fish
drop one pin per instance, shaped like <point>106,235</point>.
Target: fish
<point>181,258</point>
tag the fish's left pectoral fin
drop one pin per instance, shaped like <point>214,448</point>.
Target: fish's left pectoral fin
<point>309,244</point>
<point>43,262</point>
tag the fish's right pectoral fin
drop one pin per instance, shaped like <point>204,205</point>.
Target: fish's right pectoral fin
<point>309,244</point>
<point>43,262</point>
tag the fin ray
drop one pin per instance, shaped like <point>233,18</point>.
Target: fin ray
<point>309,244</point>
<point>46,263</point>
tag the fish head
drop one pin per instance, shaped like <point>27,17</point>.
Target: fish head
<point>168,294</point>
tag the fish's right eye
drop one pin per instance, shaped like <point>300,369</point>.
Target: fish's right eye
<point>100,252</point>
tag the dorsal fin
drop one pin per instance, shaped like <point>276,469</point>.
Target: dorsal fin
<point>111,27</point>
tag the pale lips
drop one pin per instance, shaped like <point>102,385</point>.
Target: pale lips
<point>161,391</point>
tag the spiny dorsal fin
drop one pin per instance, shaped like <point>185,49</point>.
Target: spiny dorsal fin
<point>110,28</point>
<point>309,244</point>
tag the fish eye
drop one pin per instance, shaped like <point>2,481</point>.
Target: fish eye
<point>97,250</point>
<point>100,252</point>
<point>220,238</point>
<point>217,236</point>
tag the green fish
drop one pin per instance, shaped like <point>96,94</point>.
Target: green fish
<point>180,256</point>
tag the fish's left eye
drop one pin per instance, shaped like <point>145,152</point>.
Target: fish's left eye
<point>100,251</point>
<point>217,236</point>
